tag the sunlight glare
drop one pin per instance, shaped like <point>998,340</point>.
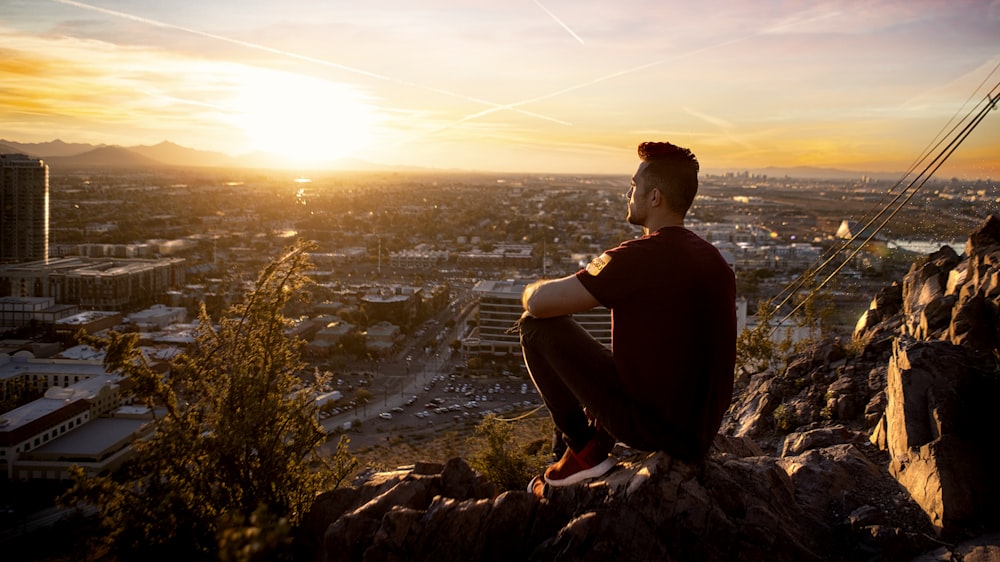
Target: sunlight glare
<point>303,120</point>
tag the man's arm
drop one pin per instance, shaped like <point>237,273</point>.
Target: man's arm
<point>556,297</point>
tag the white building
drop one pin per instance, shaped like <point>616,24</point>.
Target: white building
<point>70,425</point>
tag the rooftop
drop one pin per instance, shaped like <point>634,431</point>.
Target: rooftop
<point>91,438</point>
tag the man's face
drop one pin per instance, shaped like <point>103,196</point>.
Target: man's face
<point>637,198</point>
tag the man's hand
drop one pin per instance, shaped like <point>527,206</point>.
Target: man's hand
<point>556,297</point>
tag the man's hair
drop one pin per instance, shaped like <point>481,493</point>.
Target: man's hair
<point>673,170</point>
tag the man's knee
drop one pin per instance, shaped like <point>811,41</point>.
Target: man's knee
<point>532,328</point>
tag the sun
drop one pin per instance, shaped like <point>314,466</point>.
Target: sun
<point>303,120</point>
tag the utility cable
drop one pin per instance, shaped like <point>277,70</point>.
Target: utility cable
<point>867,220</point>
<point>991,103</point>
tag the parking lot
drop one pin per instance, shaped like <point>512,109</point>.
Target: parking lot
<point>463,399</point>
<point>443,401</point>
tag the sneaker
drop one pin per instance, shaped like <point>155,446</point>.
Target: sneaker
<point>592,461</point>
<point>538,487</point>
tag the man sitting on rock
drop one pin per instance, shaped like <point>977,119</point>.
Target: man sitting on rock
<point>669,378</point>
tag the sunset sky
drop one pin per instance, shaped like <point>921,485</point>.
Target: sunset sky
<point>520,85</point>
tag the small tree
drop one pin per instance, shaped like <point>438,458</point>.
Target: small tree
<point>234,444</point>
<point>499,457</point>
<point>755,350</point>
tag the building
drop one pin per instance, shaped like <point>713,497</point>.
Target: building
<point>328,338</point>
<point>157,317</point>
<point>94,283</point>
<point>509,256</point>
<point>90,322</point>
<point>421,257</point>
<point>499,309</point>
<point>381,337</point>
<point>24,209</point>
<point>73,423</point>
<point>17,312</point>
<point>396,304</point>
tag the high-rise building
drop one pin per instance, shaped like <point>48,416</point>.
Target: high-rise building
<point>24,209</point>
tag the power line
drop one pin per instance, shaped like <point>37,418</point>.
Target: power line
<point>899,201</point>
<point>873,213</point>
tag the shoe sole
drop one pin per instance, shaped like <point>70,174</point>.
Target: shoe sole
<point>593,472</point>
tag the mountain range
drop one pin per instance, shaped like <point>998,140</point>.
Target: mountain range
<point>62,155</point>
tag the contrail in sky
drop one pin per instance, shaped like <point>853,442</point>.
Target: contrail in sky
<point>791,22</point>
<point>559,21</point>
<point>305,58</point>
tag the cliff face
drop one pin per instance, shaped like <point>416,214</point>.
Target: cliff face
<point>882,449</point>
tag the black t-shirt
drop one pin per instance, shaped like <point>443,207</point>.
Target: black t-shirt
<point>672,300</point>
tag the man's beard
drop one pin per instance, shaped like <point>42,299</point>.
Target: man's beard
<point>632,218</point>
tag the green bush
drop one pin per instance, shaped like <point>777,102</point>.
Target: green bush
<point>784,418</point>
<point>498,456</point>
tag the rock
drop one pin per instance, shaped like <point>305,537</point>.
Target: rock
<point>985,238</point>
<point>754,415</point>
<point>736,446</point>
<point>865,516</point>
<point>975,324</point>
<point>875,408</point>
<point>843,399</point>
<point>928,279</point>
<point>797,443</point>
<point>984,548</point>
<point>934,317</point>
<point>826,480</point>
<point>939,430</point>
<point>886,304</point>
<point>656,508</point>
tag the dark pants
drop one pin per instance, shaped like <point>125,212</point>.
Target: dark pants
<point>573,371</point>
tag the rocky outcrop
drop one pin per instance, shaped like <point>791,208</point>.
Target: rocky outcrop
<point>883,448</point>
<point>942,385</point>
<point>940,429</point>
<point>651,507</point>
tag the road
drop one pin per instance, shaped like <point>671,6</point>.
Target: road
<point>407,374</point>
<point>419,375</point>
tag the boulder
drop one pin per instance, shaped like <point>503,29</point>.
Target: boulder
<point>941,431</point>
<point>985,239</point>
<point>886,304</point>
<point>928,279</point>
<point>974,324</point>
<point>800,442</point>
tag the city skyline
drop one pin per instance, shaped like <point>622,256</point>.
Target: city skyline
<point>536,86</point>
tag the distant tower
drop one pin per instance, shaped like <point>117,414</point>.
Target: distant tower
<point>24,209</point>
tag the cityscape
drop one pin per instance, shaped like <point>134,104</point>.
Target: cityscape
<point>258,262</point>
<point>416,279</point>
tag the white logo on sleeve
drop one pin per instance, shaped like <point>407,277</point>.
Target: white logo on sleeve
<point>597,265</point>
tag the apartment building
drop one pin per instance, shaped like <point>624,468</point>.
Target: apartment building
<point>94,283</point>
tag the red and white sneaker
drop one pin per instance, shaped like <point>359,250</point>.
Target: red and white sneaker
<point>590,462</point>
<point>538,487</point>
